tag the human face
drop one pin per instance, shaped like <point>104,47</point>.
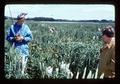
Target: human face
<point>106,39</point>
<point>21,21</point>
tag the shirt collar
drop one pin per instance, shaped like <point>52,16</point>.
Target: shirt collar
<point>17,25</point>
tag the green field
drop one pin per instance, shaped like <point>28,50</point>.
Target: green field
<point>74,43</point>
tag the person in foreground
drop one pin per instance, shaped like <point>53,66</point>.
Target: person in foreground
<point>107,54</point>
<point>19,35</point>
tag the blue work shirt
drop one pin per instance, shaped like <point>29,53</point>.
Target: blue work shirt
<point>21,47</point>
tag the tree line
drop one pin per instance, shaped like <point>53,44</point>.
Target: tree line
<point>52,19</point>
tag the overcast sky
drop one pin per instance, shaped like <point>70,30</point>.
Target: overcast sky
<point>63,11</point>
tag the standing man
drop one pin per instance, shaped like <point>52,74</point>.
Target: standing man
<point>107,57</point>
<point>20,35</point>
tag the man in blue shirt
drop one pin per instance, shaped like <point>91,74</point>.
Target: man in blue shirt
<point>20,35</point>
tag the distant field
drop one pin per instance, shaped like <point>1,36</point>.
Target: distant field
<point>75,43</point>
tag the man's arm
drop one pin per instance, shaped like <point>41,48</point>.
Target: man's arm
<point>28,36</point>
<point>111,65</point>
<point>10,36</point>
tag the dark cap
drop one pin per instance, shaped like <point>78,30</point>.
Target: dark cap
<point>108,31</point>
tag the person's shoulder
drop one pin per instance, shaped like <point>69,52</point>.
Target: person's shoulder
<point>113,42</point>
<point>113,46</point>
<point>11,26</point>
<point>26,26</point>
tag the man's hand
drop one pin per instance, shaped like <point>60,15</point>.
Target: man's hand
<point>19,38</point>
<point>113,76</point>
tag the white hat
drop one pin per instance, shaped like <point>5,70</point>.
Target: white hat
<point>22,15</point>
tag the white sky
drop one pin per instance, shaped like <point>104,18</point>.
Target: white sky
<point>63,11</point>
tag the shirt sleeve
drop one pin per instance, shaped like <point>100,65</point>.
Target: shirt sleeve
<point>112,61</point>
<point>10,35</point>
<point>28,36</point>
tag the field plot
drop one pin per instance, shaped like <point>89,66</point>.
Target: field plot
<point>59,50</point>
